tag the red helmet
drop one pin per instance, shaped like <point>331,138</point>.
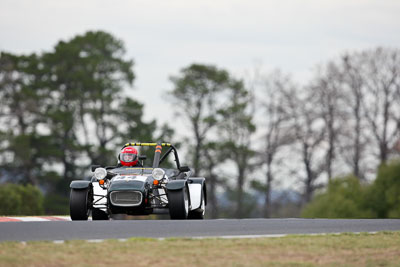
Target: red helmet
<point>128,156</point>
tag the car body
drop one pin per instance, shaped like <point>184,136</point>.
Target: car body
<point>140,190</point>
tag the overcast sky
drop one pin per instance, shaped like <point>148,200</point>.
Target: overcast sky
<point>164,36</point>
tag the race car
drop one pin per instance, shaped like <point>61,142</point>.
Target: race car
<point>140,190</point>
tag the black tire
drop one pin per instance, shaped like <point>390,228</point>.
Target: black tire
<point>198,214</point>
<point>99,215</point>
<point>80,204</point>
<point>179,202</point>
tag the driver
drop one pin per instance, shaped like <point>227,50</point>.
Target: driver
<point>128,156</point>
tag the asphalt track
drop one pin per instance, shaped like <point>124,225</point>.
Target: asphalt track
<point>68,230</point>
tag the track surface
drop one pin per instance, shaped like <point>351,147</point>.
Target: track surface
<point>67,230</point>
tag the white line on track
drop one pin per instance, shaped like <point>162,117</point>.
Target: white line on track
<point>95,240</point>
<point>276,235</point>
<point>222,237</point>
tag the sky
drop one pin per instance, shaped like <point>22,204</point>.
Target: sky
<point>162,37</point>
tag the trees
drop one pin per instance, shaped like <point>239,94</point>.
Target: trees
<point>327,96</point>
<point>344,198</point>
<point>235,131</point>
<point>217,109</point>
<point>359,92</point>
<point>276,133</point>
<point>352,86</point>
<point>368,84</point>
<point>309,133</point>
<point>66,109</point>
<point>348,197</point>
<point>381,75</point>
<point>20,200</point>
<point>196,100</point>
<point>383,196</point>
<point>88,112</point>
<point>83,79</point>
<point>328,126</point>
<point>21,101</point>
<point>86,76</point>
<point>196,97</point>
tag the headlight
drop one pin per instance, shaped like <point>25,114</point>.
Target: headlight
<point>100,173</point>
<point>158,173</point>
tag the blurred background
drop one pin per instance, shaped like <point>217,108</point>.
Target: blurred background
<point>288,109</point>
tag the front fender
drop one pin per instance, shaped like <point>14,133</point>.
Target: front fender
<point>176,185</point>
<point>80,184</point>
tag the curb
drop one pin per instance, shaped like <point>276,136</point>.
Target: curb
<point>35,219</point>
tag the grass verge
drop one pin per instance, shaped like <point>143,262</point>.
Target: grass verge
<point>381,249</point>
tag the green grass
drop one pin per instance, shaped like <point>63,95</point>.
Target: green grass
<point>381,249</point>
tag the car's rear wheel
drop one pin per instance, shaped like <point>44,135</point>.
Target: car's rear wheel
<point>80,204</point>
<point>198,214</point>
<point>99,215</point>
<point>178,202</point>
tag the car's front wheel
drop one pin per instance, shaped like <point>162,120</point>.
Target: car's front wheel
<point>80,204</point>
<point>178,202</point>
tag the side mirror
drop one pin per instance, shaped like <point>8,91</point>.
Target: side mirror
<point>93,167</point>
<point>184,168</point>
<point>142,157</point>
